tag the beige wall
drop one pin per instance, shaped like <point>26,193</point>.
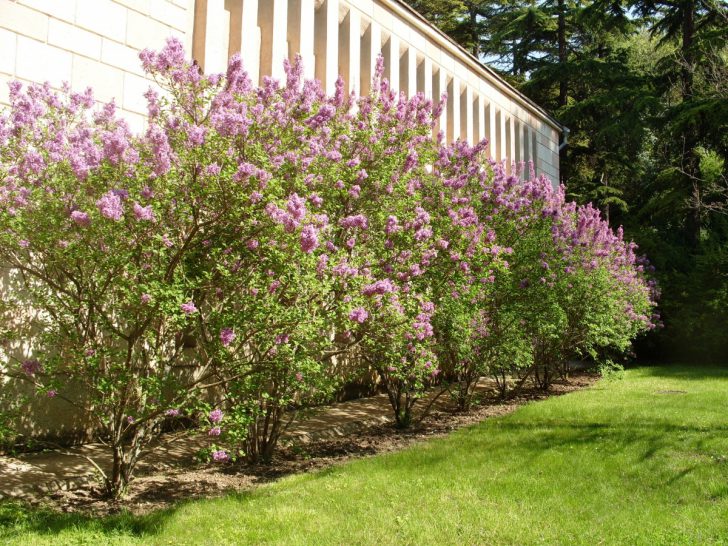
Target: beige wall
<point>96,43</point>
<point>88,43</point>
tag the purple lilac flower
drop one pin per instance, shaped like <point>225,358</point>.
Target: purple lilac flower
<point>359,314</point>
<point>172,412</point>
<point>245,170</point>
<point>31,367</point>
<point>423,234</point>
<point>145,298</point>
<point>214,431</point>
<point>52,393</point>
<point>309,239</point>
<point>220,456</point>
<point>357,221</point>
<point>196,135</point>
<point>227,335</point>
<point>296,207</point>
<point>325,113</point>
<point>24,243</point>
<point>188,308</point>
<point>383,286</point>
<point>323,260</point>
<point>143,213</point>
<point>392,225</point>
<point>215,416</point>
<point>110,206</point>
<point>81,218</point>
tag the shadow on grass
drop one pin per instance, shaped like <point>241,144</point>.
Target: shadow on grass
<point>17,519</point>
<point>697,372</point>
<point>645,440</point>
<point>525,439</point>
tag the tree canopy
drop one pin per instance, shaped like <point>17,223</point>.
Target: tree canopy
<point>643,87</point>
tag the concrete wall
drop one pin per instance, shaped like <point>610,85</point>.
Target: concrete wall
<point>88,43</point>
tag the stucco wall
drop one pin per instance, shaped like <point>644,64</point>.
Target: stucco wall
<point>97,42</point>
<point>92,43</point>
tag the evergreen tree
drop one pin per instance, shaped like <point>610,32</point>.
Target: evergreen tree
<point>643,86</point>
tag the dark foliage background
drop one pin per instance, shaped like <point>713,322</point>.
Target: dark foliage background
<point>643,86</point>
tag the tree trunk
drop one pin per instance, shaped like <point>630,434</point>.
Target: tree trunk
<point>690,160</point>
<point>688,39</point>
<point>563,80</point>
<point>119,480</point>
<point>473,15</point>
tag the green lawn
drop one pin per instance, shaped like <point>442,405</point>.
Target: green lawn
<point>620,463</point>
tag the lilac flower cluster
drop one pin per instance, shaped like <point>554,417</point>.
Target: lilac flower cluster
<point>31,367</point>
<point>188,308</point>
<point>110,206</point>
<point>227,335</point>
<point>220,456</point>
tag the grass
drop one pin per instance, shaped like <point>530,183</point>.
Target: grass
<point>621,463</point>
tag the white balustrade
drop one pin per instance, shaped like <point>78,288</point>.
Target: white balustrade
<point>300,34</point>
<point>345,37</point>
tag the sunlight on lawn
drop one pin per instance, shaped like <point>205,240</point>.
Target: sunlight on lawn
<point>638,461</point>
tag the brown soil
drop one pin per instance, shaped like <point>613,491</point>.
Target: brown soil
<point>167,486</point>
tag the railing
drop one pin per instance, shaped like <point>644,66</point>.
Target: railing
<point>346,37</point>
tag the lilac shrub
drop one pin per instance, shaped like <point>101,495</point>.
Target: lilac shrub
<point>96,230</point>
<point>265,300</point>
<point>220,265</point>
<point>564,288</point>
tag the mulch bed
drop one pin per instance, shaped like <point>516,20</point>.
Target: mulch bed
<point>168,486</point>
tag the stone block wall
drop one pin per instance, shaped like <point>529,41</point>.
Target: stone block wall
<point>86,43</point>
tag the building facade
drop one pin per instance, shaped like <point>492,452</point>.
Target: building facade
<point>96,43</point>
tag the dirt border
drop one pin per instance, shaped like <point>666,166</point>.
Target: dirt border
<point>162,489</point>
